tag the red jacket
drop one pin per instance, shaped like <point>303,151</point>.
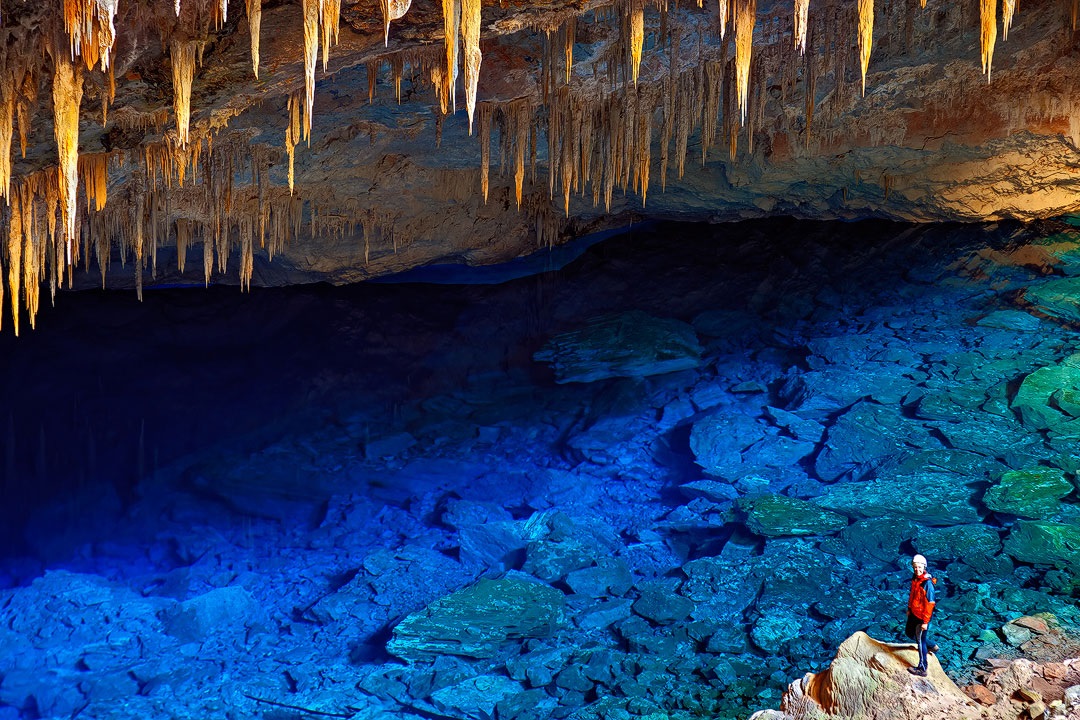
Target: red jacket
<point>920,602</point>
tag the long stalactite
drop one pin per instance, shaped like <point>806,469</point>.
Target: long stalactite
<point>67,99</point>
<point>745,19</point>
<point>470,39</point>
<point>987,33</point>
<point>866,37</point>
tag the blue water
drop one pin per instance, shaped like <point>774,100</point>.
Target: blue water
<point>219,504</point>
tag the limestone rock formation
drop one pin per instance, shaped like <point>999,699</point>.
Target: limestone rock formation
<point>868,679</point>
<point>216,130</point>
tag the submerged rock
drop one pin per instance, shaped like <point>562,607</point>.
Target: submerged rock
<point>926,498</point>
<point>1034,493</point>
<point>630,344</point>
<point>476,621</point>
<point>1045,543</point>
<point>777,515</point>
<point>1047,398</point>
<point>1058,298</point>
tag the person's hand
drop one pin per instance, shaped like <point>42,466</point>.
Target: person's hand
<point>925,625</point>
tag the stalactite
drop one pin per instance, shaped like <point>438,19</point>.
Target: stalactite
<point>745,18</point>
<point>14,256</point>
<point>24,104</point>
<point>1008,9</point>
<point>7,112</point>
<point>988,33</point>
<point>93,169</point>
<point>292,135</point>
<point>723,17</point>
<point>866,37</point>
<point>520,115</point>
<point>451,23</point>
<point>569,36</point>
<point>470,38</point>
<point>67,97</point>
<point>392,10</point>
<point>311,9</point>
<point>330,20</point>
<point>90,28</point>
<point>802,8</point>
<point>637,39</point>
<point>183,70</point>
<point>485,148</point>
<point>254,12</point>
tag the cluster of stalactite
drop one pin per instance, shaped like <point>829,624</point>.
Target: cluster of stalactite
<point>594,138</point>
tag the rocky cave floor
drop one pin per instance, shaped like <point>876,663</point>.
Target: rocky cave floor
<point>373,501</point>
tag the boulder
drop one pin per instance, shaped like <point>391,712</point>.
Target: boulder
<point>1058,298</point>
<point>476,697</point>
<point>961,542</point>
<point>778,515</point>
<point>870,679</point>
<point>1045,543</point>
<point>630,344</point>
<point>478,620</point>
<point>222,611</point>
<point>1045,398</point>
<point>925,498</point>
<point>718,441</point>
<point>1032,493</point>
<point>867,436</point>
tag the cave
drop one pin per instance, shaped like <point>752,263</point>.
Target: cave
<point>513,361</point>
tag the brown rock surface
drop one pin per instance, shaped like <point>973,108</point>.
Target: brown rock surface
<point>868,680</point>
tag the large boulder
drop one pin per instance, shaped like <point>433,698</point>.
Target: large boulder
<point>865,437</point>
<point>1058,298</point>
<point>1032,493</point>
<point>925,498</point>
<point>869,679</point>
<point>478,620</point>
<point>777,515</point>
<point>718,441</point>
<point>630,344</point>
<point>1045,543</point>
<point>1048,397</point>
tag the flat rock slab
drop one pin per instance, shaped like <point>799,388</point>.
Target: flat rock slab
<point>777,515</point>
<point>1032,493</point>
<point>1057,298</point>
<point>630,344</point>
<point>1045,543</point>
<point>1050,396</point>
<point>476,621</point>
<point>926,498</point>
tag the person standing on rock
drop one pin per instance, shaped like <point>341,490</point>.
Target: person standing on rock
<point>919,611</point>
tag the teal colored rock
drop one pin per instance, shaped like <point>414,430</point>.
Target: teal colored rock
<point>661,605</point>
<point>1011,320</point>
<point>1035,398</point>
<point>864,437</point>
<point>609,577</point>
<point>962,542</point>
<point>774,630</point>
<point>777,515</point>
<point>1034,493</point>
<point>1045,543</point>
<point>476,621</point>
<point>926,498</point>
<point>630,344</point>
<point>718,440</point>
<point>1059,298</point>
<point>476,697</point>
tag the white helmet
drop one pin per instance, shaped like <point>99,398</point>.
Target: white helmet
<point>918,559</point>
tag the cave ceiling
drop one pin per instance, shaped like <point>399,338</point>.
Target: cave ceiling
<point>282,141</point>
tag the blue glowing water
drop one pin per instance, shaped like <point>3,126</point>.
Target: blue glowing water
<point>374,501</point>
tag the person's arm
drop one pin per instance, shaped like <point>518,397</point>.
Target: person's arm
<point>931,601</point>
